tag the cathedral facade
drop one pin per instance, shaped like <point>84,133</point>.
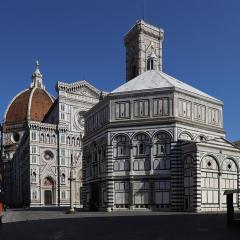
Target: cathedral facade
<point>156,143</point>
<point>42,143</point>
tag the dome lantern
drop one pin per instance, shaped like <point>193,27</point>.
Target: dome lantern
<point>37,78</point>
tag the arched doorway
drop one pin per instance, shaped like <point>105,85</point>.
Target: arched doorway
<point>48,191</point>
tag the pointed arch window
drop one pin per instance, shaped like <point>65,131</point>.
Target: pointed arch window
<point>150,64</point>
<point>53,139</point>
<point>48,138</point>
<point>34,136</point>
<point>63,178</point>
<point>42,137</point>
<point>34,177</point>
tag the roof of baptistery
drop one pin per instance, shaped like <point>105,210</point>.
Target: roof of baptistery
<point>154,79</point>
<point>30,104</point>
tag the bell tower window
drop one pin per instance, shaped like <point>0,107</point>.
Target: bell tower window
<point>150,64</point>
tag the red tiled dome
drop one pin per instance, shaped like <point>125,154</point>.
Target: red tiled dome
<point>31,104</point>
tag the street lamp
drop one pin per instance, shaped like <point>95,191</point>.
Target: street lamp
<point>71,179</point>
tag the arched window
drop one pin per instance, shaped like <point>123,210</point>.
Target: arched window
<point>42,137</point>
<point>162,143</point>
<point>150,64</point>
<point>121,166</point>
<point>48,138</point>
<point>34,177</point>
<point>63,178</point>
<point>68,140</point>
<point>121,146</point>
<point>34,136</point>
<point>141,165</point>
<point>53,139</point>
<point>115,166</point>
<point>135,165</point>
<point>78,141</point>
<point>141,143</point>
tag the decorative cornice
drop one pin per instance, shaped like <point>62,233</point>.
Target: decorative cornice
<point>42,126</point>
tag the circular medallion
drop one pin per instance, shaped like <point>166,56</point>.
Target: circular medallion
<point>79,119</point>
<point>48,155</point>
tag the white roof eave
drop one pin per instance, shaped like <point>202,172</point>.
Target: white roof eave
<point>154,80</point>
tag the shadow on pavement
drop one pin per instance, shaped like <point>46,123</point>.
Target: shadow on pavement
<point>50,209</point>
<point>161,227</point>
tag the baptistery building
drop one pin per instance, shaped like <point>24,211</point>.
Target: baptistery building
<point>155,142</point>
<point>42,142</point>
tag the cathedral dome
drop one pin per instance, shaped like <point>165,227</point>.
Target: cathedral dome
<point>30,104</point>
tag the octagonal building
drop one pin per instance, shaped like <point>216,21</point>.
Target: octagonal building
<point>156,143</point>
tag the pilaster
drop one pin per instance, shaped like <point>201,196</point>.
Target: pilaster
<point>110,182</point>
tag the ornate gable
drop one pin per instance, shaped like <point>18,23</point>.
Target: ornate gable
<point>82,88</point>
<point>85,91</point>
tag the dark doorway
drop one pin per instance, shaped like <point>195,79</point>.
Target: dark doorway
<point>94,201</point>
<point>186,204</point>
<point>48,197</point>
<point>48,191</point>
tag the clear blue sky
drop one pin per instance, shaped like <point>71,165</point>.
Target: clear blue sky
<point>76,39</point>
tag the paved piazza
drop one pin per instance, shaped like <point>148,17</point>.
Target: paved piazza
<point>56,225</point>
